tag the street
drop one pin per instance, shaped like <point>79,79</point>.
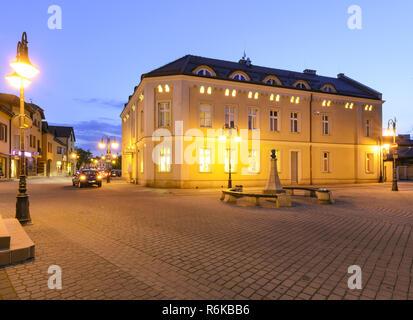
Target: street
<point>124,241</point>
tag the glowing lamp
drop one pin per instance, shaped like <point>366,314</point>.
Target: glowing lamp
<point>238,139</point>
<point>115,145</point>
<point>16,81</point>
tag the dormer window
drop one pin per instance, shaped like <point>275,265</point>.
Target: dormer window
<point>328,88</point>
<point>240,77</point>
<point>204,72</point>
<point>301,84</point>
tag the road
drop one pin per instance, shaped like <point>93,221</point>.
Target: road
<point>128,242</point>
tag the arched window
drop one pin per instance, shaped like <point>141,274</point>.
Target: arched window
<point>204,72</point>
<point>301,84</point>
<point>239,76</point>
<point>272,81</point>
<point>328,88</point>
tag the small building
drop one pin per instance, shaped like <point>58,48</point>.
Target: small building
<point>404,159</point>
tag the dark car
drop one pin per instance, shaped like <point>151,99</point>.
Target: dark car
<point>88,177</point>
<point>115,173</point>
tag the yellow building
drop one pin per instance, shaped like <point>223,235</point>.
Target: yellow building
<point>175,126</point>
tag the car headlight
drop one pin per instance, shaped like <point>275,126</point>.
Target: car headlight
<point>99,177</point>
<point>82,177</point>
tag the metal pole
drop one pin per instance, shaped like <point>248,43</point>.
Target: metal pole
<point>394,184</point>
<point>229,165</point>
<point>22,203</point>
<point>108,159</point>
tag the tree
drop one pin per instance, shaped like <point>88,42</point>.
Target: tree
<point>84,157</point>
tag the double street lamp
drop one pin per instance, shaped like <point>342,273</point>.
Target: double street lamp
<point>109,146</point>
<point>24,71</point>
<point>227,130</point>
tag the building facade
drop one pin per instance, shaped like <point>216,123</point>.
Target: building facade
<point>176,126</point>
<point>39,161</point>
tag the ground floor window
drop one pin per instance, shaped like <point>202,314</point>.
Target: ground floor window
<point>141,161</point>
<point>3,168</point>
<point>325,162</point>
<point>234,160</point>
<point>369,162</point>
<point>253,161</point>
<point>205,160</point>
<point>164,160</point>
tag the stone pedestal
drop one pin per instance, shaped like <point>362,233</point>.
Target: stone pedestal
<point>273,184</point>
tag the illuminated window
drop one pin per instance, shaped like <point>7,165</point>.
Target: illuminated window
<point>205,160</point>
<point>229,116</point>
<point>227,92</point>
<point>141,162</point>
<point>164,114</point>
<point>369,162</point>
<point>252,118</point>
<point>325,164</point>
<point>160,89</point>
<point>274,120</point>
<point>253,161</point>
<point>294,122</point>
<point>234,160</point>
<point>209,90</point>
<point>325,124</point>
<point>202,89</point>
<point>205,112</point>
<point>368,128</point>
<point>164,160</point>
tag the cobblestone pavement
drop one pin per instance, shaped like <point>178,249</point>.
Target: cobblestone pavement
<point>127,242</point>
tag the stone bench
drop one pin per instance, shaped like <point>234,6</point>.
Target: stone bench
<point>324,196</point>
<point>281,200</point>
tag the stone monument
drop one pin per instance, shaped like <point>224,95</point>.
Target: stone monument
<point>273,185</point>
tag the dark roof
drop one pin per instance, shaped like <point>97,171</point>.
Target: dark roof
<point>62,131</point>
<point>12,100</point>
<point>223,69</point>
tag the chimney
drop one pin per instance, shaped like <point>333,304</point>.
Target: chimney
<point>310,71</point>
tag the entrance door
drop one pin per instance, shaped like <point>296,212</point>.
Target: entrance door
<point>294,167</point>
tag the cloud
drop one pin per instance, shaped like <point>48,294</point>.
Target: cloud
<point>110,103</point>
<point>89,133</point>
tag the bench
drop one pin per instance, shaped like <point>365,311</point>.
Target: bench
<point>324,196</point>
<point>281,200</point>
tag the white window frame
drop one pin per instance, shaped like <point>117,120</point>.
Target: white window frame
<point>325,124</point>
<point>239,75</point>
<point>367,128</point>
<point>276,119</point>
<point>228,121</point>
<point>162,114</point>
<point>292,120</point>
<point>204,72</point>
<point>165,160</point>
<point>203,121</point>
<point>205,167</point>
<point>254,118</point>
<point>324,160</point>
<point>369,162</point>
<point>254,160</point>
<point>234,159</point>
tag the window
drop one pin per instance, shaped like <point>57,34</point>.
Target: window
<point>49,147</point>
<point>60,150</point>
<point>164,114</point>
<point>274,120</point>
<point>239,76</point>
<point>205,119</point>
<point>229,116</point>
<point>301,85</point>
<point>142,121</point>
<point>234,160</point>
<point>164,160</point>
<point>325,125</point>
<point>294,122</point>
<point>368,127</point>
<point>369,162</point>
<point>204,160</point>
<point>253,161</point>
<point>252,118</point>
<point>141,162</point>
<point>271,82</point>
<point>204,72</point>
<point>325,162</point>
<point>3,132</point>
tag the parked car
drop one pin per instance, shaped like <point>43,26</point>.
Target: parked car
<point>87,177</point>
<point>116,173</point>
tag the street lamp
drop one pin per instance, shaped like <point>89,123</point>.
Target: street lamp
<point>391,130</point>
<point>20,79</point>
<point>109,146</point>
<point>223,138</point>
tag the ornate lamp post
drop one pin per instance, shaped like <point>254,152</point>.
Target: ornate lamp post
<point>391,130</point>
<point>20,79</point>
<point>109,146</point>
<point>229,129</point>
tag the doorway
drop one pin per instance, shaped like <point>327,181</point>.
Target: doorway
<point>294,167</point>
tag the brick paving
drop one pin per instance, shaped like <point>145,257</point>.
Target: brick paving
<point>127,242</point>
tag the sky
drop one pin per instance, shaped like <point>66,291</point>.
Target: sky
<point>89,67</point>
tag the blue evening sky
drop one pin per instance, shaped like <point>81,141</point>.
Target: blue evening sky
<point>90,67</point>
